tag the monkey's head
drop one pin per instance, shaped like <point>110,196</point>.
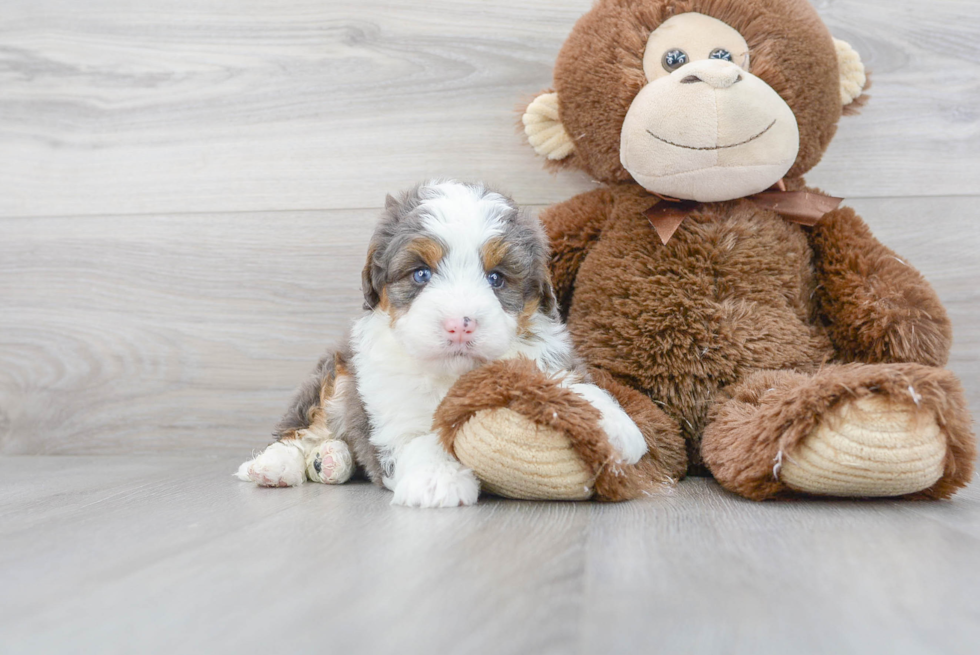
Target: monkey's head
<point>705,100</point>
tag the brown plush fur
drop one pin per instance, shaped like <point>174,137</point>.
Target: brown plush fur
<point>692,317</point>
<point>519,385</point>
<point>739,300</point>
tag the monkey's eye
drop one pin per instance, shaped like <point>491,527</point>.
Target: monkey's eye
<point>720,53</point>
<point>422,275</point>
<point>495,279</point>
<point>674,59</point>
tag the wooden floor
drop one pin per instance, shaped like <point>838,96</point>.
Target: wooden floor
<point>169,554</point>
<point>186,192</point>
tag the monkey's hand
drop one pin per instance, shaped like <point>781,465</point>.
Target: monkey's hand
<point>878,308</point>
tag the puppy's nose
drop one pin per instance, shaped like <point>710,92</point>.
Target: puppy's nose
<point>460,330</point>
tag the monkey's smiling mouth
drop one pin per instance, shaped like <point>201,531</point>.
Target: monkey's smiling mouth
<point>731,145</point>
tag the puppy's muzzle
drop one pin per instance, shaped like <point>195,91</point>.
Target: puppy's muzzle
<point>460,331</point>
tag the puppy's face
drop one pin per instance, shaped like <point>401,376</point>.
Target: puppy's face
<point>460,272</point>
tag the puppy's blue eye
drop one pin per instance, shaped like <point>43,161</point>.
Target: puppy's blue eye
<point>422,275</point>
<point>720,53</point>
<point>495,279</point>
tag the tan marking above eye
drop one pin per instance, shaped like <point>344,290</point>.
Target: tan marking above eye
<point>492,253</point>
<point>428,250</point>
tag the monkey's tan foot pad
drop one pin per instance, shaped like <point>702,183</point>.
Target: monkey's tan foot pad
<point>517,458</point>
<point>330,463</point>
<point>872,447</point>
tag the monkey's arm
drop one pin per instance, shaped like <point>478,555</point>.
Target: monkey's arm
<point>878,307</point>
<point>573,227</point>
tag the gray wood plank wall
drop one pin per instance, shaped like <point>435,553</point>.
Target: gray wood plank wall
<point>187,187</point>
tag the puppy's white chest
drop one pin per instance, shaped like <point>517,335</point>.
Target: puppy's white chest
<point>399,396</point>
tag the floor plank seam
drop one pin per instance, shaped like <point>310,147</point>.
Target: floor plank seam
<point>378,208</point>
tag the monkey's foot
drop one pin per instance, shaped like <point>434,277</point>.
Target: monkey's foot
<point>871,446</point>
<point>517,458</point>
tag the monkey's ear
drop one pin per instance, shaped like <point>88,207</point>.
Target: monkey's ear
<point>544,129</point>
<point>853,78</point>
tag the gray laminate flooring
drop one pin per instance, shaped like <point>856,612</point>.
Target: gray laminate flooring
<point>172,555</point>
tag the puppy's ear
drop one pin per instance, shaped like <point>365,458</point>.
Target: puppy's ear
<point>549,304</point>
<point>372,294</point>
<point>390,202</point>
<point>541,276</point>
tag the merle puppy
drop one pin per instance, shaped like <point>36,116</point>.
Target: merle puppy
<point>456,276</point>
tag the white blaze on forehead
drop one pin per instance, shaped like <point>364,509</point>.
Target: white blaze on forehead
<point>464,219</point>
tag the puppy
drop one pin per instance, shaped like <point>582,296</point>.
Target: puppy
<point>456,276</point>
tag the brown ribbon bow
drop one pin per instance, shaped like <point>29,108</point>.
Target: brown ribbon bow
<point>803,207</point>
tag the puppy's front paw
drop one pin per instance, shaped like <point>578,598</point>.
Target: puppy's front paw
<point>437,485</point>
<point>622,432</point>
<point>624,436</point>
<point>279,465</point>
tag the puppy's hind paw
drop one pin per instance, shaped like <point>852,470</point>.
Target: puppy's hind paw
<point>330,463</point>
<point>279,465</point>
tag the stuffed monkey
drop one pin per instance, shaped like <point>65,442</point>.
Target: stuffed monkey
<point>754,329</point>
